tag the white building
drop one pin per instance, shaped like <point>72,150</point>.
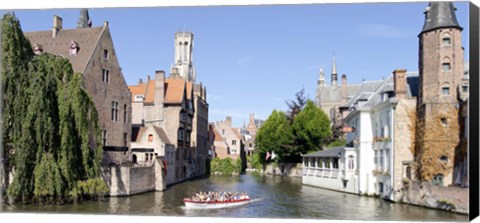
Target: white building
<point>334,169</point>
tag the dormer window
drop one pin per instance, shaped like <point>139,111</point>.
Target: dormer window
<point>73,48</point>
<point>37,49</point>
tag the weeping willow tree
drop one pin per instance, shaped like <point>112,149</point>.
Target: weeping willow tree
<point>56,152</point>
<point>16,53</point>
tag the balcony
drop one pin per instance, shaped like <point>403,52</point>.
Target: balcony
<point>322,172</point>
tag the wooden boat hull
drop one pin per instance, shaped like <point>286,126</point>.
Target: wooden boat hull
<point>207,205</point>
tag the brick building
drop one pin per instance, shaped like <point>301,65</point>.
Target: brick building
<point>442,88</point>
<point>91,52</point>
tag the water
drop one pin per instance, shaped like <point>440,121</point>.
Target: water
<point>274,197</point>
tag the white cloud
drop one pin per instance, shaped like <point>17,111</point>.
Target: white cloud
<point>383,30</point>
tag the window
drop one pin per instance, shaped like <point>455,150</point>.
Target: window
<point>381,160</point>
<point>104,137</point>
<point>105,54</point>
<point>180,134</point>
<point>376,160</point>
<point>234,142</point>
<point>37,49</point>
<point>380,188</point>
<point>351,164</point>
<point>327,163</point>
<point>446,66</point>
<point>335,163</point>
<point>446,40</point>
<point>138,97</point>
<point>465,88</point>
<point>114,111</point>
<point>150,138</point>
<point>319,163</point>
<point>125,113</point>
<point>438,180</point>
<point>387,159</point>
<point>446,91</point>
<point>444,159</point>
<point>73,48</point>
<point>105,75</point>
<point>125,137</point>
<point>188,137</point>
<point>305,162</point>
<point>444,121</point>
<point>250,145</point>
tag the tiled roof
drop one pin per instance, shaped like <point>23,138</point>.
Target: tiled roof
<point>237,133</point>
<point>330,94</point>
<point>139,133</point>
<point>175,88</point>
<point>189,90</point>
<point>217,136</point>
<point>333,152</point>
<point>163,136</point>
<point>86,39</point>
<point>150,93</point>
<point>137,90</point>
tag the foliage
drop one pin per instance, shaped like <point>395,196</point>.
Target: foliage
<point>436,141</point>
<point>16,52</point>
<point>226,166</point>
<point>311,129</point>
<point>295,106</point>
<point>274,135</point>
<point>255,161</point>
<point>55,136</point>
<point>338,142</point>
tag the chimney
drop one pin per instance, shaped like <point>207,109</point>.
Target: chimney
<point>159,93</point>
<point>400,83</point>
<point>140,81</point>
<point>148,77</point>
<point>57,25</point>
<point>228,121</point>
<point>344,86</point>
<point>174,72</point>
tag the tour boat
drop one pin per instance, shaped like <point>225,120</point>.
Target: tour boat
<point>189,203</point>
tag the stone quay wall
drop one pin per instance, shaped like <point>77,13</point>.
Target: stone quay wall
<point>424,194</point>
<point>282,169</point>
<point>124,180</point>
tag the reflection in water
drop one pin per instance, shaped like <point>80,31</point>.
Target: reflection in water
<point>274,197</point>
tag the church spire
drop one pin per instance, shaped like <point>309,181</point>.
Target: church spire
<point>321,78</point>
<point>440,15</point>
<point>334,73</point>
<point>84,20</point>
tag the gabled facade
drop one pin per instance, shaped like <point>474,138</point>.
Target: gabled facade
<point>91,52</point>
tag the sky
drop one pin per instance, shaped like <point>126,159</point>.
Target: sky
<point>253,58</point>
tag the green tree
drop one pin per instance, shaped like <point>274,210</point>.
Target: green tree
<point>295,106</point>
<point>54,134</point>
<point>16,53</point>
<point>311,129</point>
<point>274,135</point>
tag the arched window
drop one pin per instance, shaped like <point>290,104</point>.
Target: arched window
<point>150,138</point>
<point>446,64</point>
<point>445,89</point>
<point>351,162</point>
<point>446,40</point>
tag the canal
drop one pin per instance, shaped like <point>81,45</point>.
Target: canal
<point>274,197</point>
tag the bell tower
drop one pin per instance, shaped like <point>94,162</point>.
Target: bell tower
<point>440,74</point>
<point>183,55</point>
